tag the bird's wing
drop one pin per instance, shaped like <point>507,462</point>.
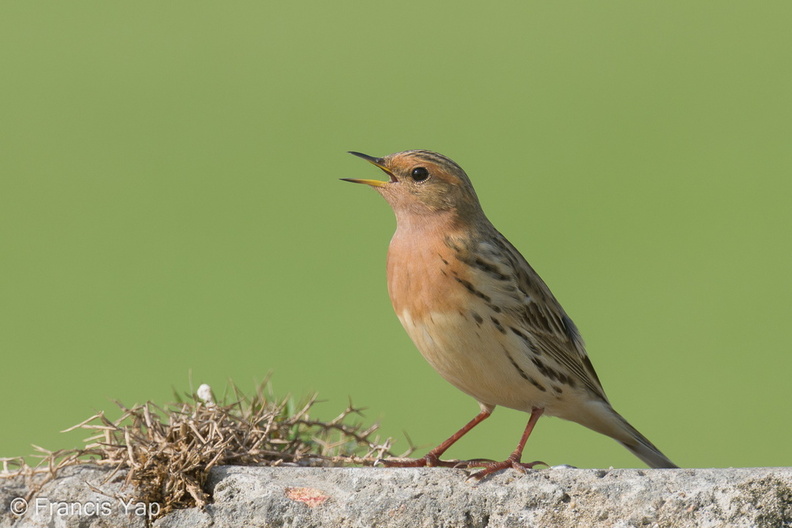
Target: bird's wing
<point>535,312</point>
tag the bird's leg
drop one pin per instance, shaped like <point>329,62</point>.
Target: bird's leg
<point>514,459</point>
<point>432,458</point>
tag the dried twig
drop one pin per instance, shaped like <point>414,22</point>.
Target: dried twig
<point>168,451</point>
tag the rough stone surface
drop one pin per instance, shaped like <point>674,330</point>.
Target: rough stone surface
<point>383,497</point>
<point>73,499</point>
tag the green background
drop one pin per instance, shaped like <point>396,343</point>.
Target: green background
<point>170,210</point>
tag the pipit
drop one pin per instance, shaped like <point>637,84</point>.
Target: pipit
<point>481,316</point>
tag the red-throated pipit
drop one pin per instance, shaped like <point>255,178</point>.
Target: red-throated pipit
<point>480,314</point>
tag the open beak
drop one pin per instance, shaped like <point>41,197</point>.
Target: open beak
<point>379,162</point>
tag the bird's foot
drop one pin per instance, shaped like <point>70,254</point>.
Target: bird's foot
<point>428,460</point>
<point>492,467</point>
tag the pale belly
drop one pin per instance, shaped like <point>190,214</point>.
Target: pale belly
<point>446,307</point>
<point>491,366</point>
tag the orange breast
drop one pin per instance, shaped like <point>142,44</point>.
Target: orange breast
<point>424,276</point>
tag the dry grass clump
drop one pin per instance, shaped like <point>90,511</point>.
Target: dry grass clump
<point>168,451</point>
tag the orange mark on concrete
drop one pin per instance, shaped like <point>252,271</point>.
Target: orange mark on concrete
<point>309,496</point>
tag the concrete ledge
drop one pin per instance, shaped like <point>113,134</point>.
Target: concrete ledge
<point>385,497</point>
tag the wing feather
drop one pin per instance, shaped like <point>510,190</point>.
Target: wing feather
<point>533,311</point>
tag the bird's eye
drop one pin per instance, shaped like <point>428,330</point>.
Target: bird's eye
<point>419,174</point>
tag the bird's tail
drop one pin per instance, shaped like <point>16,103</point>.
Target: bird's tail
<point>602,418</point>
<point>641,447</point>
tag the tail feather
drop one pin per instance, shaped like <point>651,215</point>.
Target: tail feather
<point>651,456</point>
<point>641,447</point>
<point>600,416</point>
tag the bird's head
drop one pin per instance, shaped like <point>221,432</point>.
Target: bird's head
<point>421,182</point>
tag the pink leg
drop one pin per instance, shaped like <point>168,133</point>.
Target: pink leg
<point>432,458</point>
<point>514,459</point>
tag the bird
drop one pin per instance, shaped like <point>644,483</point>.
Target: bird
<point>481,316</point>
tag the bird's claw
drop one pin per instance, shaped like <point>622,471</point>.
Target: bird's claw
<point>425,461</point>
<point>512,463</point>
